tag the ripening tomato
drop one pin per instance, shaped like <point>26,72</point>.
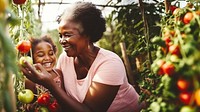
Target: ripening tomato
<point>197,97</point>
<point>187,17</point>
<point>44,99</point>
<point>25,58</point>
<point>168,68</point>
<point>53,107</point>
<point>160,63</point>
<point>24,46</point>
<point>174,49</point>
<point>183,84</point>
<point>176,11</point>
<point>187,108</point>
<point>25,96</point>
<point>19,2</point>
<point>185,97</point>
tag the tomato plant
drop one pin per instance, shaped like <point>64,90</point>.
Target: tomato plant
<point>26,96</point>
<point>24,46</point>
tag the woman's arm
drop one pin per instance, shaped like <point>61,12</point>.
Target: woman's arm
<point>98,99</point>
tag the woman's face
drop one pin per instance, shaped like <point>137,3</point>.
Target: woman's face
<point>72,41</point>
<point>45,55</point>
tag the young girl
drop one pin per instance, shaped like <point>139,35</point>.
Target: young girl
<point>44,53</point>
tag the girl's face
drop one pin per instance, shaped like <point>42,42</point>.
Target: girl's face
<point>72,41</point>
<point>45,55</point>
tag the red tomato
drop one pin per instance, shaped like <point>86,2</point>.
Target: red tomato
<point>197,96</point>
<point>172,8</point>
<point>19,2</point>
<point>44,99</point>
<point>183,84</point>
<point>168,68</point>
<point>185,97</point>
<point>160,63</point>
<point>187,17</point>
<point>53,107</point>
<point>174,49</point>
<point>24,46</point>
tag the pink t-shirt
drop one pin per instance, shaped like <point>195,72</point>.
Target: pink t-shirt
<point>107,68</point>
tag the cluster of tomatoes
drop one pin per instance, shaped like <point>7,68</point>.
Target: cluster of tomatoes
<point>178,57</point>
<point>46,103</point>
<point>24,46</point>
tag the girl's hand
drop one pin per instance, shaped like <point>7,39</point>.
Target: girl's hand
<point>36,73</point>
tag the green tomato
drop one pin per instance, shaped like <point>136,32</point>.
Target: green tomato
<point>25,58</point>
<point>43,109</point>
<point>26,96</point>
<point>187,109</point>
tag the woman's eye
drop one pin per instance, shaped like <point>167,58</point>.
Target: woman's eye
<point>68,35</point>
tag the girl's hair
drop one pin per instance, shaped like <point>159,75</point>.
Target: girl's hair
<point>90,18</point>
<point>45,38</point>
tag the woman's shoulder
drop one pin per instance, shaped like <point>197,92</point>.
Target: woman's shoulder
<point>107,54</point>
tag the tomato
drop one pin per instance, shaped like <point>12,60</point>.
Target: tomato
<point>19,2</point>
<point>53,107</point>
<point>187,109</point>
<point>183,84</point>
<point>197,97</point>
<point>24,46</point>
<point>3,5</point>
<point>187,17</point>
<point>172,8</point>
<point>168,68</point>
<point>176,11</point>
<point>44,99</point>
<point>26,96</point>
<point>160,63</point>
<point>174,58</point>
<point>25,58</point>
<point>174,49</point>
<point>185,97</point>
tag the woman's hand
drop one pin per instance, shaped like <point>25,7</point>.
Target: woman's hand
<point>36,73</point>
